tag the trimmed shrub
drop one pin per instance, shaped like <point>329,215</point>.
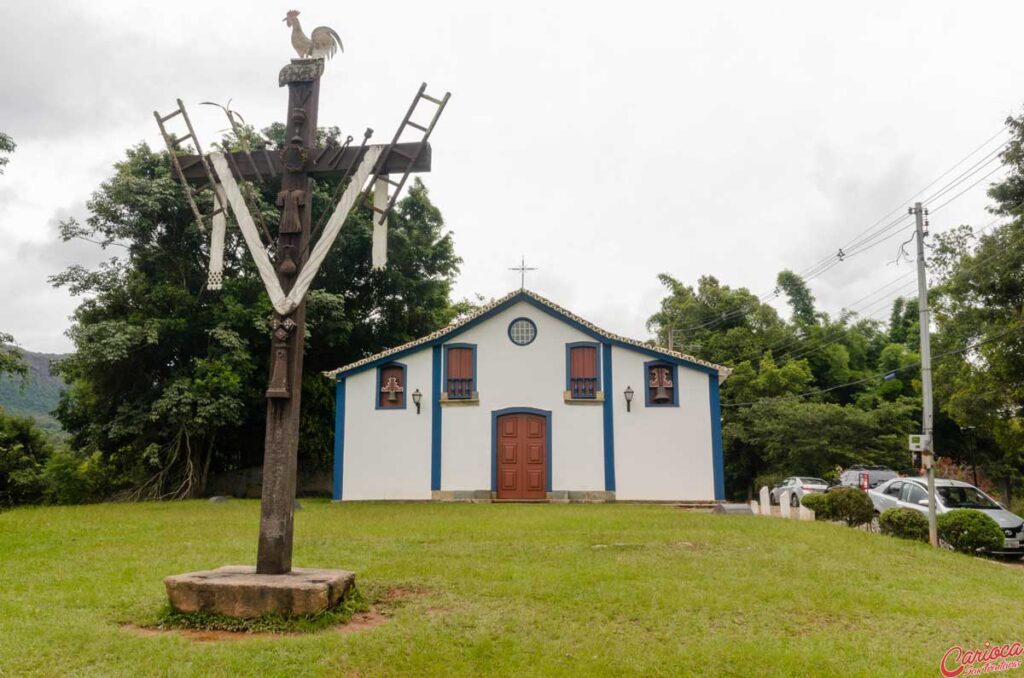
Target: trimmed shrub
<point>904,523</point>
<point>819,504</point>
<point>850,505</point>
<point>970,531</point>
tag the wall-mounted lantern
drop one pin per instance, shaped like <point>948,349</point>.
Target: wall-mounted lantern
<point>416,398</point>
<point>628,393</point>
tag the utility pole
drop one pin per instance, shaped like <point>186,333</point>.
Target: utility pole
<point>927,416</point>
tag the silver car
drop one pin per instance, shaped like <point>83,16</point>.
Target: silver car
<point>912,493</point>
<point>799,487</point>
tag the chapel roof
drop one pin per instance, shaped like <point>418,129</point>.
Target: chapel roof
<point>545,304</point>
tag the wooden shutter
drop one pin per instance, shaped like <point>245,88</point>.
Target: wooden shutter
<point>460,373</point>
<point>583,371</point>
<point>386,373</point>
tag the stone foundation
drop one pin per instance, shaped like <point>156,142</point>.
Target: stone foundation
<point>237,591</point>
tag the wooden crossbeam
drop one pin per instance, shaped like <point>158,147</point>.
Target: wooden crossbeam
<point>321,165</point>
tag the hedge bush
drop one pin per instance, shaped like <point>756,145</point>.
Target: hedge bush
<point>904,523</point>
<point>850,505</point>
<point>970,531</point>
<point>819,504</point>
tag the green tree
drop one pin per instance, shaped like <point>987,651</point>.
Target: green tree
<point>167,380</point>
<point>800,298</point>
<point>978,307</point>
<point>716,322</point>
<point>11,362</point>
<point>7,146</point>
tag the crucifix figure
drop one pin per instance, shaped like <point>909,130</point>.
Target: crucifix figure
<point>296,260</point>
<point>522,268</point>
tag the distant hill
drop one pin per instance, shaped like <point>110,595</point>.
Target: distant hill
<point>38,396</point>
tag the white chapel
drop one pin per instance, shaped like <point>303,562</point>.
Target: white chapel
<point>525,401</point>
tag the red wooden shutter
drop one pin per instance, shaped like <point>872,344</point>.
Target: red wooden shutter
<point>384,398</point>
<point>583,371</point>
<point>460,373</point>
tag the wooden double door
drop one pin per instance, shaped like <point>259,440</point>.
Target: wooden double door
<point>522,456</point>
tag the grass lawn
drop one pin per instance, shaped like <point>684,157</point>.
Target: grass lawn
<point>507,589</point>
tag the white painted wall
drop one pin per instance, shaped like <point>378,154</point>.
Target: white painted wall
<point>387,452</point>
<point>661,453</point>
<point>522,376</point>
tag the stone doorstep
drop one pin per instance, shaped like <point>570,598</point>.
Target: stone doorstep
<point>237,591</point>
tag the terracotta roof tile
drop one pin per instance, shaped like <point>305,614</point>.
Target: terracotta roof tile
<point>723,372</point>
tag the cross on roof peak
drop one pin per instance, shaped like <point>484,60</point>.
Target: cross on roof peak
<point>523,268</point>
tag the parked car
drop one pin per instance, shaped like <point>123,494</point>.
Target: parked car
<point>912,493</point>
<point>799,487</point>
<point>865,477</point>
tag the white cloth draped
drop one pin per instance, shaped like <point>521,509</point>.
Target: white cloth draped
<point>283,303</point>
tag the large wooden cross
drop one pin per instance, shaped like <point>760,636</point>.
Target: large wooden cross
<point>298,165</point>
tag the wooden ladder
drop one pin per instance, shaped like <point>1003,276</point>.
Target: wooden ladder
<point>172,143</point>
<point>425,130</point>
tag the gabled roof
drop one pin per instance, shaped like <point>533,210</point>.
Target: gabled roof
<point>541,304</point>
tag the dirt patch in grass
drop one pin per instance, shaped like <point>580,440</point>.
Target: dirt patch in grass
<point>353,615</point>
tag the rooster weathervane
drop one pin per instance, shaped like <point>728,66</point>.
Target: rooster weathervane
<point>323,43</point>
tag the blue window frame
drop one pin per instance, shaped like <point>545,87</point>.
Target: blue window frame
<point>382,399</point>
<point>661,384</point>
<point>460,378</point>
<point>583,386</point>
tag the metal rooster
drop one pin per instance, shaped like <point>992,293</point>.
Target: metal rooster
<point>323,43</point>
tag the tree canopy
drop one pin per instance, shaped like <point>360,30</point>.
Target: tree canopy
<point>168,378</point>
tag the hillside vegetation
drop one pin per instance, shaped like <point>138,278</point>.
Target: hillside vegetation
<point>38,394</point>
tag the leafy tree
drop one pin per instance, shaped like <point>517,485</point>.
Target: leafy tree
<point>24,451</point>
<point>800,298</point>
<point>979,307</point>
<point>716,322</point>
<point>167,383</point>
<point>7,146</point>
<point>11,361</point>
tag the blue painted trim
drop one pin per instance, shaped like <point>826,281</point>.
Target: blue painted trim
<point>717,456</point>
<point>494,440</point>
<point>444,369</point>
<point>405,386</point>
<point>675,383</point>
<point>522,297</point>
<point>435,420</point>
<point>609,420</point>
<point>339,437</point>
<point>508,330</point>
<point>568,371</point>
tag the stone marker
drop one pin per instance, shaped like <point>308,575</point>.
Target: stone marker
<point>806,513</point>
<point>766,502</point>
<point>755,508</point>
<point>784,504</point>
<point>218,499</point>
<point>238,591</point>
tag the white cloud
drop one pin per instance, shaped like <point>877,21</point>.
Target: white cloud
<point>607,145</point>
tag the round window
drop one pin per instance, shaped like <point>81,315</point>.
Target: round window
<point>522,331</point>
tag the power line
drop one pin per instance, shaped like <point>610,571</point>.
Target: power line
<point>869,237</point>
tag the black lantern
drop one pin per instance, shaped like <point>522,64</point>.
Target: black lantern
<point>416,398</point>
<point>628,393</point>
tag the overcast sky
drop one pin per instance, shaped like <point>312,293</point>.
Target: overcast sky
<point>605,142</point>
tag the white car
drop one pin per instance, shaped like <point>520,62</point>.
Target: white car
<point>799,487</point>
<point>912,493</point>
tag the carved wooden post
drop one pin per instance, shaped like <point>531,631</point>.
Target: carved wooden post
<point>277,507</point>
